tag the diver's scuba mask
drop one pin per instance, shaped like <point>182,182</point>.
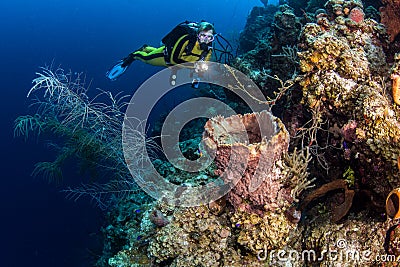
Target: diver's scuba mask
<point>205,37</point>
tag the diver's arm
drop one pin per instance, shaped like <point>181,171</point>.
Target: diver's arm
<point>183,53</point>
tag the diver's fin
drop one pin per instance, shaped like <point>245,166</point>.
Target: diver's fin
<point>117,70</point>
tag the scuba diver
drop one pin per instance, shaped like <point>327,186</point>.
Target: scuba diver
<point>187,42</point>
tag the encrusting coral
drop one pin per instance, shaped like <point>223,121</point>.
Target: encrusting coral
<point>271,230</point>
<point>354,243</point>
<point>390,16</point>
<point>194,237</point>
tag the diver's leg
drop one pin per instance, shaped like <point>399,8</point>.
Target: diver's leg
<point>148,49</point>
<point>130,58</point>
<point>151,55</point>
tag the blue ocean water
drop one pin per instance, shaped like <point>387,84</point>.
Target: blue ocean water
<point>39,226</point>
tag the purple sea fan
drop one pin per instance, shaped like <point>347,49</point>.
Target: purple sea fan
<point>158,218</point>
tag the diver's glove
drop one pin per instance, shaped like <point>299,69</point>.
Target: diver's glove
<point>119,68</point>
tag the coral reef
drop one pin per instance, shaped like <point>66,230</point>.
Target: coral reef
<point>286,28</point>
<point>353,243</point>
<point>352,129</point>
<point>275,53</point>
<point>341,88</point>
<point>190,150</point>
<point>301,6</point>
<point>311,6</point>
<point>268,182</point>
<point>343,58</point>
<point>269,231</point>
<point>195,237</point>
<point>260,219</point>
<point>260,19</point>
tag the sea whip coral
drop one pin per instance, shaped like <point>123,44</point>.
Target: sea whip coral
<point>260,145</point>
